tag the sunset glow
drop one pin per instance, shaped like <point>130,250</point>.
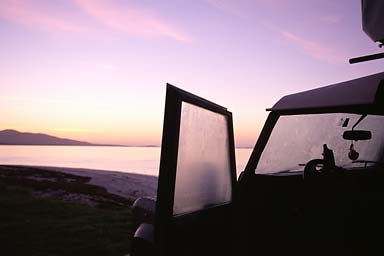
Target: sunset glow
<point>96,70</point>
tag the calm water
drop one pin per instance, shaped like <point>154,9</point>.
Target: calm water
<point>143,160</point>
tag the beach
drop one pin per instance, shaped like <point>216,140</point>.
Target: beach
<point>126,185</point>
<point>130,185</point>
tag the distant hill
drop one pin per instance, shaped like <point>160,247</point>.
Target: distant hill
<point>13,137</point>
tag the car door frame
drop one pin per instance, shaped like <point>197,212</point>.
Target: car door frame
<point>168,163</point>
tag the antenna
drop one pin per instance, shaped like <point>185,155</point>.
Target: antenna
<point>366,58</point>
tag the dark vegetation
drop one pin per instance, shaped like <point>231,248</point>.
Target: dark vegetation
<point>52,213</point>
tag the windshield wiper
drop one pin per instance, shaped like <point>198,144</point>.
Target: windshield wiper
<point>365,162</point>
<point>286,171</point>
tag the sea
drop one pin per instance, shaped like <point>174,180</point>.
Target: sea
<point>140,160</point>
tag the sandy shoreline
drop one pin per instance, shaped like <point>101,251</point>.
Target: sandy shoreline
<point>127,185</point>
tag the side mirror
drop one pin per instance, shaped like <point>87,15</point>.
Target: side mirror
<point>357,135</point>
<point>143,241</point>
<point>143,210</point>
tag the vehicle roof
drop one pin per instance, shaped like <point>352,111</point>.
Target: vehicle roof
<point>362,91</point>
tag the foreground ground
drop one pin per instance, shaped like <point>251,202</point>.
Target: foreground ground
<point>54,213</point>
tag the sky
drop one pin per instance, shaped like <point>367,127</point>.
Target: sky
<point>96,70</point>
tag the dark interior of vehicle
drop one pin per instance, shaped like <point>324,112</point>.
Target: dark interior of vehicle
<point>336,213</point>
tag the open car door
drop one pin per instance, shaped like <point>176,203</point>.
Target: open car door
<point>197,178</point>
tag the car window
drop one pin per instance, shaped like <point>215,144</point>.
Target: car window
<point>297,139</point>
<point>203,176</point>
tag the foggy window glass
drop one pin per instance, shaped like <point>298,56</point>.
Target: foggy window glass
<point>203,176</point>
<point>297,139</point>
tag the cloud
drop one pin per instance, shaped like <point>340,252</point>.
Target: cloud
<point>245,8</point>
<point>313,49</point>
<point>332,19</point>
<point>36,16</point>
<point>131,20</point>
<point>78,16</point>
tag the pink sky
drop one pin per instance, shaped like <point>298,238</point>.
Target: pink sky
<point>96,70</point>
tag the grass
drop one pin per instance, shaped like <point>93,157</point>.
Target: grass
<point>42,226</point>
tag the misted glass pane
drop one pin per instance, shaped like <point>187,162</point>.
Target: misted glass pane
<point>203,177</point>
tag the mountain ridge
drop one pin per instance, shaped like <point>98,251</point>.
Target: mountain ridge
<point>14,137</point>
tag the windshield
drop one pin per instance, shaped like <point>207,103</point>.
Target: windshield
<point>297,139</point>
